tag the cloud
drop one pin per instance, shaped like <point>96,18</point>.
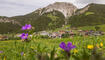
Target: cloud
<point>82,3</point>
<point>13,8</point>
<point>89,1</point>
<point>21,7</point>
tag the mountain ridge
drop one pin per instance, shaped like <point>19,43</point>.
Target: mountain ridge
<point>67,9</point>
<point>49,18</point>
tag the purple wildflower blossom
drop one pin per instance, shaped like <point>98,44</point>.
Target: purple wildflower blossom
<point>24,36</point>
<point>67,47</point>
<point>22,53</point>
<point>24,28</point>
<point>1,51</point>
<point>27,27</point>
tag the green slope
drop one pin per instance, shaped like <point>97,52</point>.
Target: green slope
<point>8,27</point>
<point>94,16</point>
<point>101,27</point>
<point>47,21</point>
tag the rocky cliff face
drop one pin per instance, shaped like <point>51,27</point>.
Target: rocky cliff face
<point>67,9</point>
<point>7,20</point>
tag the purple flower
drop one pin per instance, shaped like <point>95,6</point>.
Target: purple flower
<point>67,47</point>
<point>1,51</point>
<point>24,28</point>
<point>22,53</point>
<point>27,27</point>
<point>24,36</point>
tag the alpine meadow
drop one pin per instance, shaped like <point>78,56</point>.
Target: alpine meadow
<point>57,31</point>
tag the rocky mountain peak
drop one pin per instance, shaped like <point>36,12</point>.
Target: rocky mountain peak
<point>67,9</point>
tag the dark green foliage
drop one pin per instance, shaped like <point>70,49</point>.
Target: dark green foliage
<point>52,54</point>
<point>9,27</point>
<point>65,35</point>
<point>43,37</point>
<point>3,17</point>
<point>27,19</point>
<point>97,28</point>
<point>57,20</point>
<point>42,23</point>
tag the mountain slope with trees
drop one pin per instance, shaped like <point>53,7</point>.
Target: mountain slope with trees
<point>95,15</point>
<point>91,15</point>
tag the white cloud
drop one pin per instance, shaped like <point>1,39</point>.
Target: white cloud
<point>21,7</point>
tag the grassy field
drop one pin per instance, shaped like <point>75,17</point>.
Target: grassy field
<point>17,50</point>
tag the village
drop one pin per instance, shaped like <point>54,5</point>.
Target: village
<point>58,34</point>
<point>71,33</point>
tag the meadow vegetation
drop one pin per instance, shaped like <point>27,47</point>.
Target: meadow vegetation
<point>42,48</point>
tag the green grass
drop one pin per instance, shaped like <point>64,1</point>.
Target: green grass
<point>93,27</point>
<point>12,49</point>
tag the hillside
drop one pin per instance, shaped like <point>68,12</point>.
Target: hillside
<point>94,15</point>
<point>8,25</point>
<point>50,20</point>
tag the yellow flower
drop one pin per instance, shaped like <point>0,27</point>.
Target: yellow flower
<point>32,47</point>
<point>90,46</point>
<point>58,48</point>
<point>75,51</point>
<point>24,54</point>
<point>101,44</point>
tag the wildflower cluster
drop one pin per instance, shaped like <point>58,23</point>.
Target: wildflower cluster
<point>27,27</point>
<point>24,36</point>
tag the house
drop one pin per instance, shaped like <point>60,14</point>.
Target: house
<point>44,33</point>
<point>71,33</point>
<point>62,32</point>
<point>54,35</point>
<point>3,38</point>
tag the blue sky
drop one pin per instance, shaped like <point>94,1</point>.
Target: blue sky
<point>20,7</point>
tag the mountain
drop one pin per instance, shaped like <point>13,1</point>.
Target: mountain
<point>50,17</point>
<point>55,16</point>
<point>67,9</point>
<point>91,15</point>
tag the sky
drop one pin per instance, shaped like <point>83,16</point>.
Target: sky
<point>21,7</point>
